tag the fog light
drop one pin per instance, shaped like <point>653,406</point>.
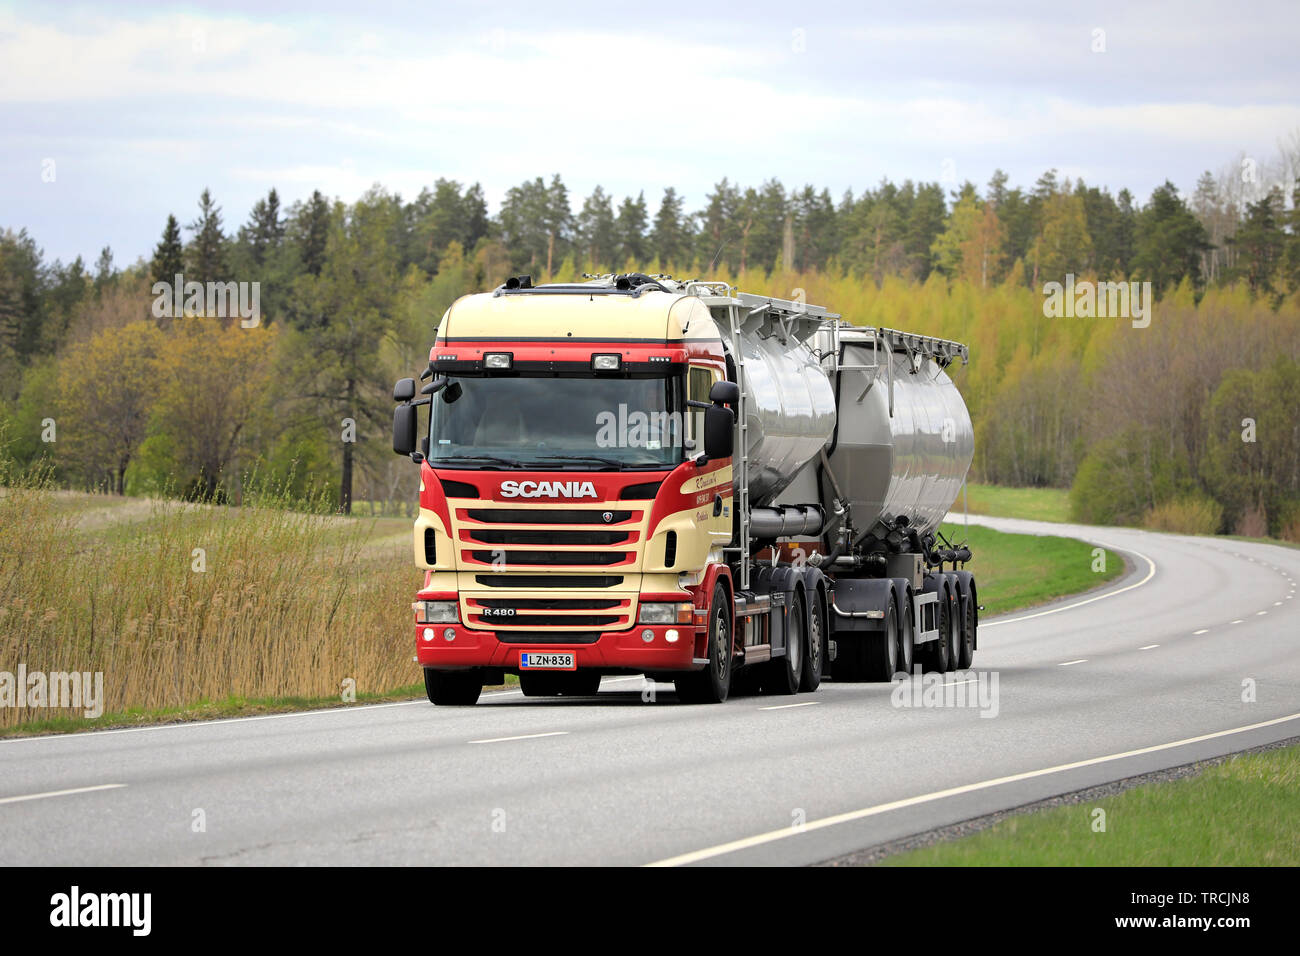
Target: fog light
<point>670,636</point>
<point>449,634</point>
<point>647,635</point>
<point>428,634</point>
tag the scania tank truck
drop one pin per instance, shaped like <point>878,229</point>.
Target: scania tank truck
<point>638,475</point>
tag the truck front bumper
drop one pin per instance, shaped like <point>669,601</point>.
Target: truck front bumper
<point>454,646</point>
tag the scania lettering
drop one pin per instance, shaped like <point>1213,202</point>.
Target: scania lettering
<point>639,475</point>
<point>547,489</point>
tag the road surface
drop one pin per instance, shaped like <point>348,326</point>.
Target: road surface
<point>1147,673</point>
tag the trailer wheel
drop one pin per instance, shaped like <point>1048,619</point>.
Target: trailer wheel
<point>452,688</point>
<point>782,675</point>
<point>966,649</point>
<point>712,684</point>
<point>882,647</point>
<point>938,651</point>
<point>906,636</point>
<point>814,661</point>
<point>955,626</point>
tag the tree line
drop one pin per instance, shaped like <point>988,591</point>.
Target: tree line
<point>351,295</point>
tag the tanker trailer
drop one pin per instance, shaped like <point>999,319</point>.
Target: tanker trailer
<point>853,443</point>
<point>635,475</point>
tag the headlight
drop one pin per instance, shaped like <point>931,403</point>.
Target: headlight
<point>498,359</point>
<point>657,613</point>
<point>436,612</point>
<point>606,363</point>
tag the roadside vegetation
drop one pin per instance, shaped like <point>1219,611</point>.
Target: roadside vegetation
<point>1021,570</point>
<point>196,611</point>
<point>999,501</point>
<point>1244,808</point>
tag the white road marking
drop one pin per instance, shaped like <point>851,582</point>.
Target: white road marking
<point>1148,647</point>
<point>1258,613</point>
<point>1204,630</point>
<point>1151,572</point>
<point>1238,621</point>
<point>1082,660</point>
<point>787,831</point>
<point>500,740</point>
<point>810,703</point>
<point>191,724</point>
<point>62,793</point>
<point>1277,603</point>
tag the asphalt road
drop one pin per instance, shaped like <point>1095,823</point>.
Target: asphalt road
<point>1145,674</point>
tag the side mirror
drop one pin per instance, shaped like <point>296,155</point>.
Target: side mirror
<point>405,420</point>
<point>724,393</point>
<point>719,430</point>
<point>404,390</point>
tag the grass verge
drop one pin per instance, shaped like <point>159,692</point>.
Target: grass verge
<point>1240,812</point>
<point>998,501</point>
<point>1014,571</point>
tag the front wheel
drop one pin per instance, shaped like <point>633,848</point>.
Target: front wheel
<point>452,688</point>
<point>712,684</point>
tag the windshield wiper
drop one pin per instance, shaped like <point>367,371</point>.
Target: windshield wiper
<point>492,459</point>
<point>611,462</point>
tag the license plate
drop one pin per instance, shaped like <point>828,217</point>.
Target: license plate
<point>550,662</point>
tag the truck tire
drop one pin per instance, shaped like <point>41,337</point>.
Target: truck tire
<point>937,652</point>
<point>452,688</point>
<point>969,621</point>
<point>782,675</point>
<point>966,644</point>
<point>814,659</point>
<point>882,648</point>
<point>954,624</point>
<point>906,635</point>
<point>712,684</point>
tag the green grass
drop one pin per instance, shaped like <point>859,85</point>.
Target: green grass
<point>1014,571</point>
<point>996,501</point>
<point>1242,812</point>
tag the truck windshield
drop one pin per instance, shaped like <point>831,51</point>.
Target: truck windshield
<point>557,423</point>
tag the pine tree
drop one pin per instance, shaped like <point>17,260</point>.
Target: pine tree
<point>670,239</point>
<point>596,230</point>
<point>168,255</point>
<point>313,232</point>
<point>207,252</point>
<point>630,231</point>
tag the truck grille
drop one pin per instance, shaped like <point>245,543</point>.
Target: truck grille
<point>550,558</point>
<point>545,516</point>
<point>513,536</point>
<point>530,581</point>
<point>548,637</point>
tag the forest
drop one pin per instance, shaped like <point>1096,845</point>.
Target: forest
<point>1190,423</point>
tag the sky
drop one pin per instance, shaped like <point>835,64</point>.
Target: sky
<point>116,114</point>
